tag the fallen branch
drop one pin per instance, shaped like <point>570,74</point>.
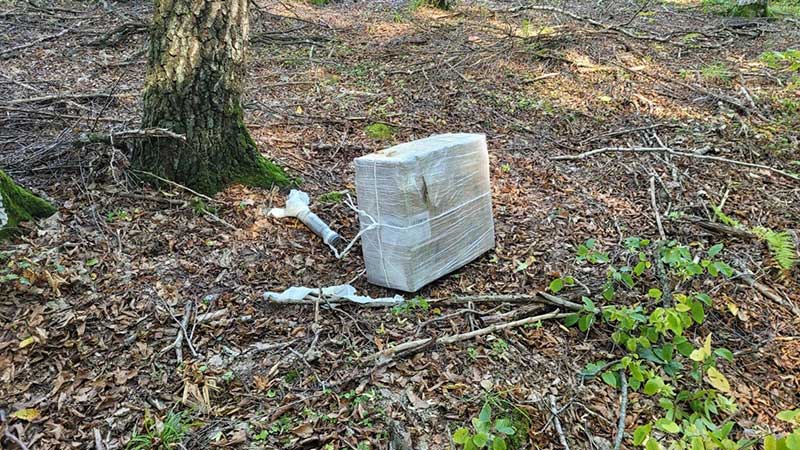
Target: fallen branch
<point>55,97</point>
<point>8,53</point>
<point>720,228</point>
<point>623,405</point>
<point>554,410</point>
<point>538,297</point>
<point>654,204</point>
<point>676,153</point>
<point>127,135</point>
<point>411,347</point>
<point>595,23</point>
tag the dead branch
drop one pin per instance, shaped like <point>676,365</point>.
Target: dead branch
<point>8,53</point>
<point>128,135</point>
<point>720,228</point>
<point>554,410</point>
<point>411,347</point>
<point>538,297</point>
<point>594,23</point>
<point>119,34</point>
<point>655,208</point>
<point>57,97</point>
<point>623,405</point>
<point>676,153</point>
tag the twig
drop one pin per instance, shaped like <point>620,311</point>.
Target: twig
<point>178,185</point>
<point>655,208</point>
<point>49,98</point>
<point>127,135</point>
<point>10,436</point>
<point>538,297</point>
<point>8,53</point>
<point>554,410</point>
<point>623,405</point>
<point>676,153</point>
<point>411,347</point>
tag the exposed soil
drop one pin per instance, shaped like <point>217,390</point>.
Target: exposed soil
<point>107,273</point>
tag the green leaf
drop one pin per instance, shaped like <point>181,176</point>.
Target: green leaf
<point>652,444</point>
<point>499,443</point>
<point>655,293</point>
<point>641,433</point>
<point>571,320</point>
<point>480,440</point>
<point>653,385</point>
<point>718,380</point>
<point>714,250</point>
<point>585,322</point>
<point>770,443</point>
<point>593,368</point>
<point>610,378</point>
<point>504,426</point>
<point>461,436</point>
<point>698,313</point>
<point>486,413</point>
<point>790,415</point>
<point>697,442</point>
<point>556,285</point>
<point>724,353</point>
<point>667,426</point>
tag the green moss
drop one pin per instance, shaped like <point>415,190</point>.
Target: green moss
<point>265,174</point>
<point>20,205</point>
<point>379,131</point>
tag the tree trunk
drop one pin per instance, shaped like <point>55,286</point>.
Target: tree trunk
<point>752,8</point>
<point>193,87</point>
<point>17,205</point>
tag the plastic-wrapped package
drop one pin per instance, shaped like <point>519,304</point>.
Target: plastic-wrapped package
<point>431,201</point>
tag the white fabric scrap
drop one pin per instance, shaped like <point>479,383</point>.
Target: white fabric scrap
<point>343,291</point>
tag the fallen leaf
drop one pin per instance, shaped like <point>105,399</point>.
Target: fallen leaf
<point>27,414</point>
<point>26,342</point>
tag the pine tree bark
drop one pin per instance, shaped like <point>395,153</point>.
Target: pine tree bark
<point>193,87</point>
<point>17,204</point>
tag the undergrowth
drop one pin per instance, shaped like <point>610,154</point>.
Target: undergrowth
<point>660,352</point>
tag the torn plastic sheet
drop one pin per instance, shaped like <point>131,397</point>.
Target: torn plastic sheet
<point>302,294</point>
<point>297,206</point>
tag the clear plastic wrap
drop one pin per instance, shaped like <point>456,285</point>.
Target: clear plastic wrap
<point>431,202</point>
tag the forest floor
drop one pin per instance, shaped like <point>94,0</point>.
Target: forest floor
<point>90,298</point>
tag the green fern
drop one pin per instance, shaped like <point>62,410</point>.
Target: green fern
<point>781,245</point>
<point>724,218</point>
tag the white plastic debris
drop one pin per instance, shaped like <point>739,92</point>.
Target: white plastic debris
<point>302,294</point>
<point>297,206</point>
<point>3,215</point>
<point>425,209</point>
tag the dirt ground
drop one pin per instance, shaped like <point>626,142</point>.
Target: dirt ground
<point>90,314</point>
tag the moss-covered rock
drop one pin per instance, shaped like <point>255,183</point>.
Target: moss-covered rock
<point>17,204</point>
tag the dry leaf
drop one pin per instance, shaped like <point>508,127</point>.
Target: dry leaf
<point>27,414</point>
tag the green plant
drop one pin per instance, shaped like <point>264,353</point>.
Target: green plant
<point>332,197</point>
<point>791,441</point>
<point>118,214</point>
<point>379,131</point>
<point>716,72</point>
<point>788,60</point>
<point>485,433</point>
<point>780,243</point>
<point>417,303</point>
<point>587,252</point>
<point>499,347</point>
<point>160,435</point>
<point>781,246</point>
